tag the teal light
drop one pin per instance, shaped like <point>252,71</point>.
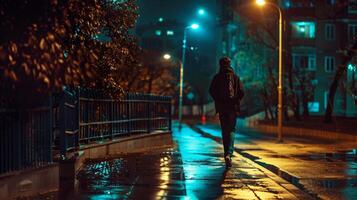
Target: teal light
<point>170,32</point>
<point>351,67</point>
<point>158,32</point>
<point>201,12</point>
<point>161,19</point>
<point>302,28</point>
<point>190,95</point>
<point>195,26</point>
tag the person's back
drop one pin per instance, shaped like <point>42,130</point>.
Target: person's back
<point>226,91</point>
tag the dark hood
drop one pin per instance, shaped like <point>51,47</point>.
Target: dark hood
<point>226,70</point>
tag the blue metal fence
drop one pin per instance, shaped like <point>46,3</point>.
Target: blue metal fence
<point>91,116</point>
<point>25,139</point>
<point>72,118</point>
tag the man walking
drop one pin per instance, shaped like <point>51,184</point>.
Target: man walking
<point>227,92</point>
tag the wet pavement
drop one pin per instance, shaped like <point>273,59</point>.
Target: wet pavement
<point>192,169</point>
<point>324,169</point>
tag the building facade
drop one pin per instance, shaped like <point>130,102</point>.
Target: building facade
<point>316,35</point>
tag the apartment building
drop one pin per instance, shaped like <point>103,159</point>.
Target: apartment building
<point>317,32</point>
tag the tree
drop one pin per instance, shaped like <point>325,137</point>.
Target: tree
<point>45,45</point>
<point>334,85</point>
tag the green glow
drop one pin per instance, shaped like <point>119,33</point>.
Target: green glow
<point>161,19</point>
<point>158,32</point>
<point>170,32</point>
<point>303,29</point>
<point>351,67</point>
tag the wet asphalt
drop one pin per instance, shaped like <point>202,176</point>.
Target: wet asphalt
<point>192,169</point>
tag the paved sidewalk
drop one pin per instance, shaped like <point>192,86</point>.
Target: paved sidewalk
<point>325,169</point>
<point>193,169</point>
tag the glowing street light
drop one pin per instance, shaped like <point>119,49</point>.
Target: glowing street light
<point>260,2</point>
<point>280,85</point>
<point>201,11</point>
<point>195,26</point>
<point>167,56</point>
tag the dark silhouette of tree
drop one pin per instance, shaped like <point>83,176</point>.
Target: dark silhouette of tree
<point>48,44</point>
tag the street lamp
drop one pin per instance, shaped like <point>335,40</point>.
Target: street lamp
<point>167,56</point>
<point>201,11</point>
<point>280,86</point>
<point>182,64</point>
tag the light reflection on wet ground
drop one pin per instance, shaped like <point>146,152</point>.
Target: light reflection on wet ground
<point>193,169</point>
<point>326,169</point>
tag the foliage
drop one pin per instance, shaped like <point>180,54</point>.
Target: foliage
<point>47,44</point>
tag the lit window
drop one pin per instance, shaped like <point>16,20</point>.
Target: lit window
<point>303,29</point>
<point>352,31</point>
<point>330,31</point>
<point>329,64</point>
<point>169,32</point>
<point>304,61</point>
<point>314,107</point>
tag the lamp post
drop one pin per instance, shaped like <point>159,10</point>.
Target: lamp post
<point>280,85</point>
<point>182,66</point>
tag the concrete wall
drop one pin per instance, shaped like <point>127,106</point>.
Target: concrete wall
<point>29,182</point>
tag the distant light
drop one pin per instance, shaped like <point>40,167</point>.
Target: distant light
<point>161,19</point>
<point>302,28</point>
<point>167,56</point>
<point>192,48</point>
<point>190,95</point>
<point>260,2</point>
<point>351,67</point>
<point>195,26</point>
<point>158,32</point>
<point>169,32</point>
<point>201,12</point>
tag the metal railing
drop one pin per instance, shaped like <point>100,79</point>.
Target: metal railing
<point>88,116</point>
<point>25,139</point>
<point>73,118</point>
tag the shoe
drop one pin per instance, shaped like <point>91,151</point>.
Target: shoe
<point>228,161</point>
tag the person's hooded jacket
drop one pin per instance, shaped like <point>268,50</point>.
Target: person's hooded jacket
<point>226,90</point>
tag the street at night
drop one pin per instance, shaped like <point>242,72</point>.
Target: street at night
<point>178,99</point>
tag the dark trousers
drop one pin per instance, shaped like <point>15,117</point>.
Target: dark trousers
<point>228,124</point>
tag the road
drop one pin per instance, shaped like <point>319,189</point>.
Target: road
<point>326,170</point>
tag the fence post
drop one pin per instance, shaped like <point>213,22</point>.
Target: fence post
<point>148,117</point>
<point>128,112</point>
<point>169,99</point>
<point>78,116</point>
<point>50,127</point>
<point>62,124</point>
<point>111,107</point>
